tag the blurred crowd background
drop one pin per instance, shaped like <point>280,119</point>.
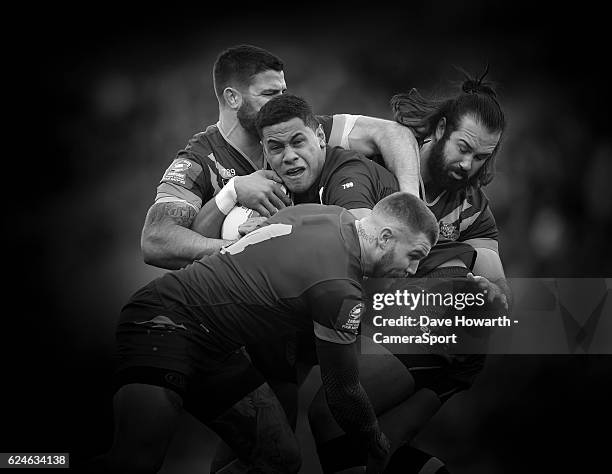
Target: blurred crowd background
<point>116,94</point>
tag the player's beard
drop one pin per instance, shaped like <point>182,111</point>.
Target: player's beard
<point>439,171</point>
<point>246,117</point>
<point>385,264</point>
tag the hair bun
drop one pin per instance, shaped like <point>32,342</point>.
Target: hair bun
<point>470,87</point>
<point>473,86</point>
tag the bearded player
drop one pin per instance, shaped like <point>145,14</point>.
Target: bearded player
<point>179,337</point>
<point>228,157</point>
<point>295,148</point>
<point>459,138</point>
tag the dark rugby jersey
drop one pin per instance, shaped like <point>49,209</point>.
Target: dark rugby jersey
<point>202,169</point>
<point>463,215</point>
<point>302,268</point>
<point>352,181</point>
<point>349,180</point>
<point>209,161</point>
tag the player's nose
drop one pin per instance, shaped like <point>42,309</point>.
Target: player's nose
<point>466,163</point>
<point>289,156</point>
<point>412,267</point>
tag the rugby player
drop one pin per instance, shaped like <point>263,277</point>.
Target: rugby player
<point>228,156</point>
<point>295,148</point>
<point>245,77</point>
<point>179,338</point>
<point>459,138</point>
<point>294,140</point>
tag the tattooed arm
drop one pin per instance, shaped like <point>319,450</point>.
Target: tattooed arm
<point>167,241</point>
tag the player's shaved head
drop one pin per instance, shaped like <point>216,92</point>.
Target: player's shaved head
<point>284,108</point>
<point>407,211</point>
<point>398,233</point>
<point>236,66</point>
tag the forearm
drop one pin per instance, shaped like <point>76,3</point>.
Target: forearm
<point>167,241</point>
<point>347,400</point>
<point>395,142</point>
<point>172,246</point>
<point>352,410</point>
<point>489,265</point>
<point>209,220</point>
<point>400,152</point>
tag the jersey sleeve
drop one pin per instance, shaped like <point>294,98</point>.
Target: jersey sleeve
<point>187,179</point>
<point>336,307</point>
<point>337,128</point>
<point>482,228</point>
<point>351,186</point>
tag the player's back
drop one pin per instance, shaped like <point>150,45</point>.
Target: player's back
<point>258,286</point>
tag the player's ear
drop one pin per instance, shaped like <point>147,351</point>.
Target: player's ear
<point>233,98</point>
<point>320,133</point>
<point>440,128</point>
<point>385,236</point>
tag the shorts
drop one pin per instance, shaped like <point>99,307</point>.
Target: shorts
<point>160,347</point>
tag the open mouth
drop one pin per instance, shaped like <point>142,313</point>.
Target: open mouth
<point>295,172</point>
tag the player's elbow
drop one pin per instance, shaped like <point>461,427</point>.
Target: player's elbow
<point>150,257</point>
<point>151,245</point>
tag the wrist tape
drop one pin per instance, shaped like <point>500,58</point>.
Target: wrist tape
<point>226,199</point>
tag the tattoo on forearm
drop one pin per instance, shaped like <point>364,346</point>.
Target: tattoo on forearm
<point>179,213</point>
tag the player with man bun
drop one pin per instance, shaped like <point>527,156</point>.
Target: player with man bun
<point>459,138</point>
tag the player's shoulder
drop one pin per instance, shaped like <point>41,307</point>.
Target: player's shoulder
<point>210,148</point>
<point>325,224</point>
<point>308,214</point>
<point>340,160</point>
<point>323,239</point>
<point>337,127</point>
<point>476,197</point>
<point>206,140</point>
<point>197,148</point>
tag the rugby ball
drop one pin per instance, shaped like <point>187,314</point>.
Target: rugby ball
<point>238,216</point>
<point>235,218</point>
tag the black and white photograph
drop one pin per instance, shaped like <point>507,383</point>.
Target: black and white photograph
<point>309,238</point>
